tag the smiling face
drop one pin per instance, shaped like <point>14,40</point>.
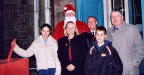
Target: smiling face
<point>45,31</point>
<point>100,36</point>
<point>70,29</point>
<point>116,18</point>
<point>92,23</point>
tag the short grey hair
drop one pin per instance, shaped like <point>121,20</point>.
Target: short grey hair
<point>116,11</point>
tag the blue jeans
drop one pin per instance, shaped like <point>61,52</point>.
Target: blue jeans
<point>49,71</point>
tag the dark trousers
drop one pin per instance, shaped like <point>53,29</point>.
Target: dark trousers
<point>50,71</point>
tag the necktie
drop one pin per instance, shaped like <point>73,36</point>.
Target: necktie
<point>93,33</point>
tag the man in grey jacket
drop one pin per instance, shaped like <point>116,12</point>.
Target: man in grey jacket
<point>128,42</point>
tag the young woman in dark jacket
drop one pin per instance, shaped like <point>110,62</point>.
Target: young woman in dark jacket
<point>72,50</point>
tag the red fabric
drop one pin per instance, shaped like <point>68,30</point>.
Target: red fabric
<point>16,66</point>
<point>68,7</point>
<point>70,58</point>
<point>59,31</point>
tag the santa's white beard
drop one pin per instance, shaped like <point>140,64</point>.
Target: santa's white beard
<point>67,19</point>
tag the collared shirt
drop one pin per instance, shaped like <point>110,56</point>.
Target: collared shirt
<point>45,40</point>
<point>93,32</point>
<point>116,28</point>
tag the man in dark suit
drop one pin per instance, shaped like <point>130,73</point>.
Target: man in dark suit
<point>92,24</point>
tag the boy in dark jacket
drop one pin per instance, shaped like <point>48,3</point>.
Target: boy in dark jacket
<point>102,58</point>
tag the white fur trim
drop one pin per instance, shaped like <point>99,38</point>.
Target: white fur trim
<point>70,11</point>
<point>65,8</point>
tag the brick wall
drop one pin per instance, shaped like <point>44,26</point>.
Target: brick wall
<point>1,29</point>
<point>17,23</point>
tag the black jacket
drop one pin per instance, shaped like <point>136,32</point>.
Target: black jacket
<point>79,50</point>
<point>103,61</point>
<point>89,38</point>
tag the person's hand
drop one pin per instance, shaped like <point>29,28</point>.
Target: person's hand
<point>13,42</point>
<point>11,50</point>
<point>133,67</point>
<point>91,49</point>
<point>70,67</point>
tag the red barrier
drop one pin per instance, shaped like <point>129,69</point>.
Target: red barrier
<point>14,66</point>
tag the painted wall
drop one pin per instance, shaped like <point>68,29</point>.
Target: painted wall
<point>86,8</point>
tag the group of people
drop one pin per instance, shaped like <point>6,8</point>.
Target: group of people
<point>75,48</point>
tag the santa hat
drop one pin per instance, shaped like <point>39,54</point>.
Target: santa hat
<point>69,9</point>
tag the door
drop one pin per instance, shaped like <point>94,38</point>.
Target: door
<point>86,8</point>
<point>142,5</point>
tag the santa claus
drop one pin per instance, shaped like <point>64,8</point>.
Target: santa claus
<point>70,15</point>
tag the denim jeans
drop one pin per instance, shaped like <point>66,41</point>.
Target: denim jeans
<point>49,71</point>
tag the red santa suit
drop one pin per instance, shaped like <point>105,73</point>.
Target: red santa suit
<point>59,30</point>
